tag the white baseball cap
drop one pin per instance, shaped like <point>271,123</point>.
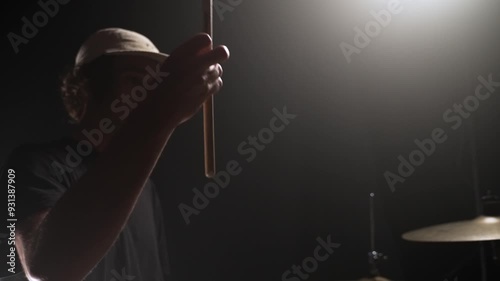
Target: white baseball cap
<point>117,41</point>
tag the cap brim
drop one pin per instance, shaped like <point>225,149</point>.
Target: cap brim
<point>159,57</point>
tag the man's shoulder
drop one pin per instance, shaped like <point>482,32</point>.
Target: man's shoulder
<point>41,159</point>
<point>31,153</point>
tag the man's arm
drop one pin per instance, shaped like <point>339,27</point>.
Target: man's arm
<point>67,241</point>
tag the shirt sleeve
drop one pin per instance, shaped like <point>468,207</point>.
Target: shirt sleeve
<point>34,183</point>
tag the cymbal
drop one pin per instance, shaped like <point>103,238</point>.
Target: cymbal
<point>482,228</point>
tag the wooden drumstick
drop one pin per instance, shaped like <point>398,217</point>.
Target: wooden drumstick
<point>208,106</point>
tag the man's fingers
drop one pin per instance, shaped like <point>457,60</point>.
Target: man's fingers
<point>189,48</point>
<point>192,46</point>
<point>219,70</point>
<point>218,86</point>
<point>215,56</point>
<point>214,72</point>
<point>213,88</point>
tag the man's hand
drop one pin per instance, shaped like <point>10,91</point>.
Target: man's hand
<point>195,75</point>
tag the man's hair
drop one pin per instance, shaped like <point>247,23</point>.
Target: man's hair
<point>89,82</point>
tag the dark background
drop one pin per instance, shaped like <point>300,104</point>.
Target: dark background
<point>313,180</point>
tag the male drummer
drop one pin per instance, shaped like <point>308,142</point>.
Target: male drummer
<point>85,206</point>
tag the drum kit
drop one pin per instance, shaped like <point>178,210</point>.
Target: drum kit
<point>483,228</point>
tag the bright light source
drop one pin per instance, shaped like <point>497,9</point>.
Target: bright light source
<point>491,220</point>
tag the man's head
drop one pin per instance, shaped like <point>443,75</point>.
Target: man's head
<point>110,62</point>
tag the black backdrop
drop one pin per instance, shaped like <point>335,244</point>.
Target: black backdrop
<point>313,179</point>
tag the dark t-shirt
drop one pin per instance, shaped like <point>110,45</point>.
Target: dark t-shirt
<point>43,172</point>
